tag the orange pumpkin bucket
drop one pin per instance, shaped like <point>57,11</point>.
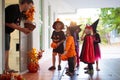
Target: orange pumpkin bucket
<point>64,57</point>
<point>54,45</point>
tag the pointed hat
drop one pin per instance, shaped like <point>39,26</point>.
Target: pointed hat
<point>94,25</point>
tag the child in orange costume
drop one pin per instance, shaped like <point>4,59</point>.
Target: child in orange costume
<point>69,52</point>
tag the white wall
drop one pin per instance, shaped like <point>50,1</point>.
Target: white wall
<point>46,37</point>
<point>24,46</point>
<point>38,22</point>
<point>45,24</point>
<point>1,35</point>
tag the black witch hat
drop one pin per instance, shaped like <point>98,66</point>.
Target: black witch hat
<point>94,25</point>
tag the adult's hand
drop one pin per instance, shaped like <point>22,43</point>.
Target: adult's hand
<point>26,30</point>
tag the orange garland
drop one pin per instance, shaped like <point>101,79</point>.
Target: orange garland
<point>30,14</point>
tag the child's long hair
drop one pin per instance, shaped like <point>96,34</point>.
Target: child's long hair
<point>71,31</point>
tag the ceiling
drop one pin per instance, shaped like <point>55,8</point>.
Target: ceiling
<point>70,6</point>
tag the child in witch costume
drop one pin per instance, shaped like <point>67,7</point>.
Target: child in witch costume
<point>69,53</point>
<point>87,53</point>
<point>58,38</point>
<point>97,49</point>
<point>97,40</point>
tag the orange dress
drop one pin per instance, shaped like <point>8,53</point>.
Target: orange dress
<point>70,47</point>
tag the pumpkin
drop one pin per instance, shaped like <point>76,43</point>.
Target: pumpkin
<point>33,67</point>
<point>5,77</point>
<point>11,76</point>
<point>54,45</point>
<point>64,57</point>
<point>19,77</point>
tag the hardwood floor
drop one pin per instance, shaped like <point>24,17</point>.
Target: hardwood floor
<point>44,73</point>
<point>109,65</point>
<point>109,71</point>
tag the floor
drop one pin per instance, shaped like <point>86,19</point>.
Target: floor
<point>109,65</point>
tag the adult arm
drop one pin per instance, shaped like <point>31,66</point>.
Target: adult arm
<point>15,26</point>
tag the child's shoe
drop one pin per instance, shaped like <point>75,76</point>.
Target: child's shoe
<point>89,71</point>
<point>59,67</point>
<point>97,69</point>
<point>86,68</point>
<point>52,68</point>
<point>69,73</point>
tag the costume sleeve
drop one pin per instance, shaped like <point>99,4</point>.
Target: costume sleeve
<point>68,43</point>
<point>75,38</point>
<point>63,36</point>
<point>97,38</point>
<point>10,14</point>
<point>52,34</point>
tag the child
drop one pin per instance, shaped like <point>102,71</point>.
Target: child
<point>87,52</point>
<point>75,30</point>
<point>97,40</point>
<point>76,40</point>
<point>69,53</point>
<point>58,37</point>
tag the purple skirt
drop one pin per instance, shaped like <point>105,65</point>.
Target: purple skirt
<point>97,52</point>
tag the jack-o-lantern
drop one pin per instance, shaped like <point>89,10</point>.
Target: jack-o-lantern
<point>5,77</point>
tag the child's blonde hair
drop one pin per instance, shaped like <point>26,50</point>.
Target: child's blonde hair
<point>70,30</point>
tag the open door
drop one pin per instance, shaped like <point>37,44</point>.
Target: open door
<point>14,44</point>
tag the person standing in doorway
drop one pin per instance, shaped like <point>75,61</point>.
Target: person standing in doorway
<point>58,37</point>
<point>12,21</point>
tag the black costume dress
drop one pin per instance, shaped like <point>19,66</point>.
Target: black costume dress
<point>57,37</point>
